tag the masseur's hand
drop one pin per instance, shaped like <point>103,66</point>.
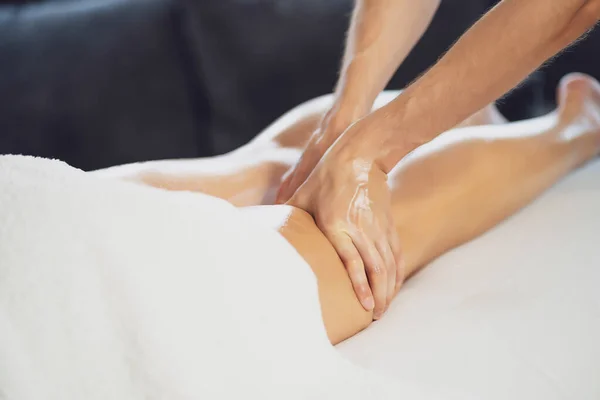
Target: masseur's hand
<point>330,128</point>
<point>350,200</point>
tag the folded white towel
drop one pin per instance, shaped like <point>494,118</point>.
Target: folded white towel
<point>112,290</point>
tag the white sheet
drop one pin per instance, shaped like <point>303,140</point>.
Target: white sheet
<point>513,315</point>
<point>109,290</point>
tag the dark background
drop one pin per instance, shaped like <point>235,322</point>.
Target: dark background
<point>104,82</point>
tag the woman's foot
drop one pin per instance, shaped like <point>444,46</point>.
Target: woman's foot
<point>579,110</point>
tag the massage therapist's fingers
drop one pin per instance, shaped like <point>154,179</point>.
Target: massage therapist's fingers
<point>283,192</point>
<point>376,272</point>
<point>354,266</point>
<point>285,189</point>
<point>349,196</point>
<point>296,176</point>
<point>384,249</point>
<point>398,257</point>
<point>294,179</point>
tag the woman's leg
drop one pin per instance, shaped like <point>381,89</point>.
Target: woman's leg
<point>251,174</point>
<point>470,179</point>
<point>444,194</point>
<point>246,176</point>
<point>454,189</point>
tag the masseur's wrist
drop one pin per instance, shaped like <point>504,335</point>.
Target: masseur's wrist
<point>352,147</point>
<point>339,118</point>
<point>407,123</point>
<point>356,90</point>
<point>376,138</point>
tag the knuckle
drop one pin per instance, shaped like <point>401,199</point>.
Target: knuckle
<point>378,271</point>
<point>362,288</point>
<point>355,264</point>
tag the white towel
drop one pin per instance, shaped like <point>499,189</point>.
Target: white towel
<point>112,290</point>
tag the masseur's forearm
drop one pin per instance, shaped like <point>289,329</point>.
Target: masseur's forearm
<point>382,33</point>
<point>506,45</point>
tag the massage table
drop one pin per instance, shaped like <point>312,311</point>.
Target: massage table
<point>514,314</point>
<point>113,290</point>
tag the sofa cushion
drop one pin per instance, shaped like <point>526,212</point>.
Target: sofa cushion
<point>259,58</point>
<point>98,83</point>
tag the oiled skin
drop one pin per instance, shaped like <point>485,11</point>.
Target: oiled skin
<point>444,194</point>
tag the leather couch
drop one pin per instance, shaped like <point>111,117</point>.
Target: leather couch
<point>105,82</point>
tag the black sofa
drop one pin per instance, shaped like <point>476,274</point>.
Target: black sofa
<point>98,83</point>
<point>105,82</point>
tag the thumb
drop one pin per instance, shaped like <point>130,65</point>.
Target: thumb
<point>292,179</point>
<point>296,176</point>
<point>283,194</point>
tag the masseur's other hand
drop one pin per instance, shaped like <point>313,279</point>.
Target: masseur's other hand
<point>350,201</point>
<point>330,128</point>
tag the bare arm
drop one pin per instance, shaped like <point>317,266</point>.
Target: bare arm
<point>507,44</point>
<point>382,33</point>
<point>347,193</point>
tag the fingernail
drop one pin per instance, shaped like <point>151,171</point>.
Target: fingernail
<point>368,303</point>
